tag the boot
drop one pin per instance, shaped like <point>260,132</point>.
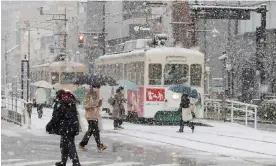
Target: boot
<point>60,163</point>
<point>76,163</point>
<point>180,130</point>
<point>83,148</point>
<point>120,127</point>
<point>193,128</point>
<point>101,147</point>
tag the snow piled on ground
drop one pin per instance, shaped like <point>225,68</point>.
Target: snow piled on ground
<point>222,139</point>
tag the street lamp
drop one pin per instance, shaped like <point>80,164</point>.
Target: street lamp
<point>223,58</point>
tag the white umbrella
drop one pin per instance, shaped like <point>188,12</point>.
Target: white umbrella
<point>42,84</point>
<point>57,86</point>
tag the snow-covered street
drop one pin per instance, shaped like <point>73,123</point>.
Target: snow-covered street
<point>222,144</point>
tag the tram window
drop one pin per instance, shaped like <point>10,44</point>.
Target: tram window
<point>196,72</point>
<point>155,74</point>
<point>175,74</point>
<point>125,71</point>
<point>54,77</point>
<point>67,77</point>
<point>79,74</point>
<point>140,73</point>
<point>120,71</point>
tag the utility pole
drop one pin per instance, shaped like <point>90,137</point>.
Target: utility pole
<point>6,59</point>
<point>104,35</point>
<point>57,17</point>
<point>260,48</point>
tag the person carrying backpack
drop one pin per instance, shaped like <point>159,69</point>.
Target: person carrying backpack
<point>92,104</point>
<point>65,123</point>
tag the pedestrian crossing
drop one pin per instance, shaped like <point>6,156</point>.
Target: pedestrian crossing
<point>25,162</point>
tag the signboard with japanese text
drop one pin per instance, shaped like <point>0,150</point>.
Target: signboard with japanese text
<point>155,94</point>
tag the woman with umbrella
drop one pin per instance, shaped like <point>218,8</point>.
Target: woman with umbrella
<point>186,113</point>
<point>118,108</point>
<point>184,109</point>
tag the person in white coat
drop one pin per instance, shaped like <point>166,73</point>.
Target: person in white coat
<point>186,113</point>
<point>41,97</point>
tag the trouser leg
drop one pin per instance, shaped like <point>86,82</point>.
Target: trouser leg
<point>72,149</point>
<point>64,149</point>
<point>96,132</point>
<point>116,123</point>
<point>87,135</point>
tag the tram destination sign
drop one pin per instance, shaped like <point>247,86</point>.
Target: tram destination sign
<point>221,12</point>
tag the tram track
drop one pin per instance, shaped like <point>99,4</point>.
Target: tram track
<point>197,141</point>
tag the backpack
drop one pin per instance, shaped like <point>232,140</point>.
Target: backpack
<point>111,100</point>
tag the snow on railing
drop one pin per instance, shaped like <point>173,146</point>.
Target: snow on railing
<point>234,106</point>
<point>13,109</point>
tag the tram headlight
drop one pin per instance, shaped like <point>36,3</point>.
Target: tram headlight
<point>176,96</point>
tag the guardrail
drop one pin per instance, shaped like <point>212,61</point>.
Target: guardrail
<point>13,110</point>
<point>213,110</point>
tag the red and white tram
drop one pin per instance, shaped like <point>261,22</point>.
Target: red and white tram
<point>154,70</point>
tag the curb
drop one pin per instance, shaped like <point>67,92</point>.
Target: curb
<point>165,123</point>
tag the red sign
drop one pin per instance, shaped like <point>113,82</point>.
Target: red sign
<point>153,94</point>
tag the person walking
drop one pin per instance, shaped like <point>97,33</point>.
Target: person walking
<point>92,104</point>
<point>40,97</point>
<point>185,113</point>
<point>65,123</point>
<point>118,108</point>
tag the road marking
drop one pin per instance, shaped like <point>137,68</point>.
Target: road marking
<point>11,160</point>
<point>10,133</point>
<point>123,164</point>
<point>92,162</point>
<point>31,163</point>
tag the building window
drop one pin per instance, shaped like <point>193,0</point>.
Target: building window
<point>133,9</point>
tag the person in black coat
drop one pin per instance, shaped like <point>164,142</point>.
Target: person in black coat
<point>65,123</point>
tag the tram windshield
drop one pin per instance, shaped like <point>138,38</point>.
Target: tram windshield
<point>67,78</point>
<point>175,74</point>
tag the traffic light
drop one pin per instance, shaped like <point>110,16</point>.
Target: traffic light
<point>95,41</point>
<point>81,41</point>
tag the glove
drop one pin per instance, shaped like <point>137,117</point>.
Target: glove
<point>49,127</point>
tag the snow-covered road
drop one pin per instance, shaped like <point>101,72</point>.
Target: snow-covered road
<point>143,145</point>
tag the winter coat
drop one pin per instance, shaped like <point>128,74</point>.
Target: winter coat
<point>118,107</point>
<point>40,96</point>
<point>92,106</point>
<point>64,120</point>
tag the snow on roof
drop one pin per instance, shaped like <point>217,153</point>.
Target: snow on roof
<point>41,65</point>
<point>64,63</point>
<point>58,64</point>
<point>170,50</point>
<point>160,50</point>
<point>126,54</point>
<point>224,7</point>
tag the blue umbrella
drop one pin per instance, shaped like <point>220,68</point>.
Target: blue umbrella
<point>128,85</point>
<point>194,93</point>
<point>180,89</point>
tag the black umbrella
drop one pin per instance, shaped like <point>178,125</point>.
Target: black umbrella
<point>96,80</point>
